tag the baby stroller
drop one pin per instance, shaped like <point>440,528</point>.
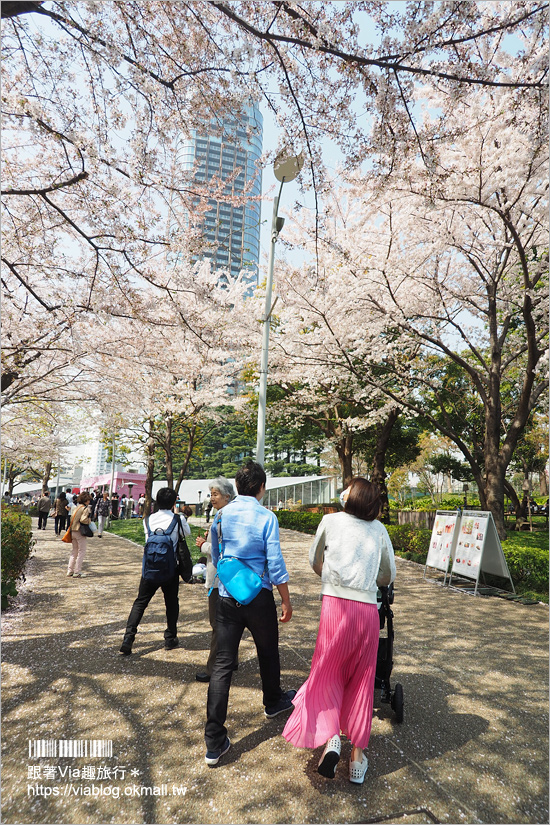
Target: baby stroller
<point>384,661</point>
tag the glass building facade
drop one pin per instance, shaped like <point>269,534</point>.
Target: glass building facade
<point>230,151</point>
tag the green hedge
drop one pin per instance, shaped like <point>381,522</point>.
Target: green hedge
<point>410,542</point>
<point>17,544</point>
<point>295,520</point>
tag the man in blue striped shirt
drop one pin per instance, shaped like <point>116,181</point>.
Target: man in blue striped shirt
<point>249,532</point>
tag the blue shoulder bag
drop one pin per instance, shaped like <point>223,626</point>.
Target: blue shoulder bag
<point>241,582</point>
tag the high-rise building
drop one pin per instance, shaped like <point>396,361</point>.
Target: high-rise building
<point>230,150</point>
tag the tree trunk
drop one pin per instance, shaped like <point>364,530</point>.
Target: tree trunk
<point>494,495</point>
<point>379,464</point>
<point>344,449</point>
<point>12,474</point>
<point>150,453</point>
<point>543,484</point>
<point>47,474</point>
<point>168,454</point>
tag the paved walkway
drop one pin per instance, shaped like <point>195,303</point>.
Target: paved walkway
<point>473,746</point>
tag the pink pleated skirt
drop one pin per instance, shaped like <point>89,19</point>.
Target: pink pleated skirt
<point>338,694</point>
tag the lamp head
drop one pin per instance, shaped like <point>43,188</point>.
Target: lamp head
<point>287,167</point>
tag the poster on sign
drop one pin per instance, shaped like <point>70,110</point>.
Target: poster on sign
<point>442,540</point>
<point>469,546</point>
<point>478,549</point>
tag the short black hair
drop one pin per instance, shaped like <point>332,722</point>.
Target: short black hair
<point>166,498</point>
<point>250,478</point>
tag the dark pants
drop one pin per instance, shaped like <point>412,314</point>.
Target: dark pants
<point>61,524</point>
<point>212,612</point>
<point>260,618</point>
<point>146,592</point>
<point>42,518</point>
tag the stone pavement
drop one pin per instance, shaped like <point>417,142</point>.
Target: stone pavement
<point>473,746</point>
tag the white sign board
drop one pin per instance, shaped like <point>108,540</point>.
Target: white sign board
<point>478,548</point>
<point>443,539</point>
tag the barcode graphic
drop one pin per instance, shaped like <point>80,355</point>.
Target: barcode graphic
<point>70,747</point>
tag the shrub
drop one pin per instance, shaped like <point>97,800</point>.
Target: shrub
<point>528,566</point>
<point>303,522</point>
<point>409,541</point>
<point>17,544</point>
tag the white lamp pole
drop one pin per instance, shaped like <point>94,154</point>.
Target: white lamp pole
<point>285,169</point>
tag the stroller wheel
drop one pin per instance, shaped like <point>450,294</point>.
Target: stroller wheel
<point>397,702</point>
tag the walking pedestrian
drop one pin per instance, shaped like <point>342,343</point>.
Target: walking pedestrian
<point>61,513</point>
<point>353,554</point>
<point>82,515</point>
<point>103,510</point>
<point>161,520</point>
<point>221,493</point>
<point>114,505</point>
<point>250,532</point>
<point>44,505</point>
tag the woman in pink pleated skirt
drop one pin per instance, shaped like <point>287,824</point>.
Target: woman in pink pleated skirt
<point>353,555</point>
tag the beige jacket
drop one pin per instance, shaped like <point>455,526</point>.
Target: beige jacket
<point>82,515</point>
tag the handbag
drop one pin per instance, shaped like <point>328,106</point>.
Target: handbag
<point>185,563</point>
<point>52,513</point>
<point>86,530</point>
<point>241,582</point>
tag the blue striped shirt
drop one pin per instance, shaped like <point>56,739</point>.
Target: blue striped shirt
<point>250,532</point>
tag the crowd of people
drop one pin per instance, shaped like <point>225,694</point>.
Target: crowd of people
<point>351,553</point>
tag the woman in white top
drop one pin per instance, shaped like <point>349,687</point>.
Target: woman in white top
<point>221,493</point>
<point>353,555</point>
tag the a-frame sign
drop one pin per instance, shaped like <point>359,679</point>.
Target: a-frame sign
<point>469,542</point>
<point>443,540</point>
<point>478,549</point>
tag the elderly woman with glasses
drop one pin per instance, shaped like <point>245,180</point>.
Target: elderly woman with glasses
<point>221,493</point>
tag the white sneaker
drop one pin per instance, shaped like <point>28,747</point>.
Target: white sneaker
<point>330,758</point>
<point>357,770</point>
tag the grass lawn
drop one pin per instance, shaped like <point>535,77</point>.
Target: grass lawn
<point>133,529</point>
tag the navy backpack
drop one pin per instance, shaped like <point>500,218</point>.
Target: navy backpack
<point>159,557</point>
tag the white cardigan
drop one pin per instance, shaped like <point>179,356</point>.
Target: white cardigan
<point>352,556</point>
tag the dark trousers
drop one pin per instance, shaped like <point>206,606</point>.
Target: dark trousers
<point>61,524</point>
<point>146,592</point>
<point>212,611</point>
<point>42,518</point>
<point>260,618</point>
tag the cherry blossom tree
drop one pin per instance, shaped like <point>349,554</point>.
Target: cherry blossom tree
<point>436,289</point>
<point>96,98</point>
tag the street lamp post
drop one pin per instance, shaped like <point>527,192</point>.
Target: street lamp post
<point>285,169</point>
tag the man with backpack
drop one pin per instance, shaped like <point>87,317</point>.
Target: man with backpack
<point>165,557</point>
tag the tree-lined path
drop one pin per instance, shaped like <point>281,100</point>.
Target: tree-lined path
<point>472,748</point>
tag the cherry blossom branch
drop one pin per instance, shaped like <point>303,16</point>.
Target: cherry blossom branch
<point>359,60</point>
<point>29,288</point>
<point>54,188</point>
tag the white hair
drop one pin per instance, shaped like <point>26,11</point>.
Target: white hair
<point>223,486</point>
